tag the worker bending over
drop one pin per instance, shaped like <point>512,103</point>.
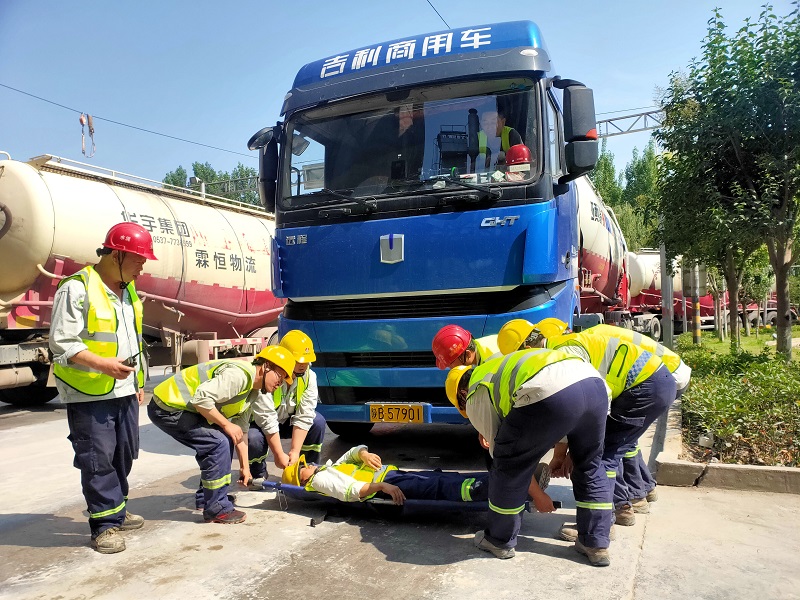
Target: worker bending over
<point>453,346</point>
<point>523,404</point>
<point>290,412</point>
<point>207,408</point>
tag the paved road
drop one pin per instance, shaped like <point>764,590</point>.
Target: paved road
<point>700,544</point>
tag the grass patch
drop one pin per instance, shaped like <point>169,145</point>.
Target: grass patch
<point>748,402</point>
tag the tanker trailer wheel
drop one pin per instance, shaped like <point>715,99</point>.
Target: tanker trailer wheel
<point>655,329</point>
<point>350,431</point>
<point>31,395</point>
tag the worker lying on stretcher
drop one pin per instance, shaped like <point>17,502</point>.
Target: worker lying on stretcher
<point>359,475</point>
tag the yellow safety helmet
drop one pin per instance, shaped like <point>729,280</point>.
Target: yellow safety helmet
<point>291,474</point>
<point>551,327</point>
<point>512,335</point>
<point>451,385</point>
<point>280,357</point>
<point>300,345</point>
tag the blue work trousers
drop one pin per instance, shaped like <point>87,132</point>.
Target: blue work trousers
<point>213,452</point>
<point>105,438</point>
<point>636,476</point>
<point>440,485</point>
<point>258,450</point>
<point>526,435</point>
<point>632,412</point>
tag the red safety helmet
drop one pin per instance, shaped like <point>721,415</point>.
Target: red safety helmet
<point>518,154</point>
<point>449,344</point>
<point>130,237</point>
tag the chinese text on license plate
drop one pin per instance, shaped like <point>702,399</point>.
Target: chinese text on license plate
<point>395,413</point>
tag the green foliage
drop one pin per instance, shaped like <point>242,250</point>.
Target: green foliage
<point>239,185</point>
<point>749,403</point>
<point>732,130</point>
<point>605,179</point>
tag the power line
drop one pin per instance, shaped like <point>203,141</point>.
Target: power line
<point>125,124</point>
<point>437,12</point>
<point>611,112</point>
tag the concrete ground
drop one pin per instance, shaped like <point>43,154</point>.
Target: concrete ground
<point>696,543</point>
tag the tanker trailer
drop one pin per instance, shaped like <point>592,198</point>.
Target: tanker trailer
<point>601,259</point>
<point>209,287</point>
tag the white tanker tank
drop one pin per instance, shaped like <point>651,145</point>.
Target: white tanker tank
<point>212,278</point>
<point>602,253</point>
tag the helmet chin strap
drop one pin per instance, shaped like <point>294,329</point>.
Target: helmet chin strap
<point>264,380</point>
<point>122,284</point>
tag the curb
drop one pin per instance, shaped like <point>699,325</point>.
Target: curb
<point>670,470</point>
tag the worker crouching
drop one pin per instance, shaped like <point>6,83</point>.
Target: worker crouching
<point>207,408</point>
<point>523,404</point>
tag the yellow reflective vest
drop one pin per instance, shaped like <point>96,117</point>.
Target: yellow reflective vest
<point>358,471</point>
<point>503,376</point>
<point>621,363</point>
<point>302,384</point>
<point>100,336</point>
<point>483,140</point>
<point>667,356</point>
<point>486,347</point>
<point>177,391</point>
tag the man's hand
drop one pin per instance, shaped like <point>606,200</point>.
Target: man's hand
<point>233,431</point>
<point>113,367</point>
<point>398,497</point>
<point>281,460</point>
<point>245,477</point>
<point>370,459</point>
<point>294,455</point>
<point>543,503</point>
<point>482,441</point>
<point>140,397</point>
<point>561,468</point>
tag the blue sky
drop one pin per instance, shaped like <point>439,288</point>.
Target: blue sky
<point>215,73</point>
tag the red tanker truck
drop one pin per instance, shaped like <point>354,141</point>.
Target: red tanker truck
<point>208,293</point>
<point>622,286</point>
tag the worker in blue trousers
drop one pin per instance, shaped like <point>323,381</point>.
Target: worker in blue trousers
<point>642,388</point>
<point>288,412</point>
<point>96,340</point>
<point>207,408</point>
<point>523,404</point>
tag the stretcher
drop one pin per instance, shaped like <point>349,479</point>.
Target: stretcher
<point>381,506</point>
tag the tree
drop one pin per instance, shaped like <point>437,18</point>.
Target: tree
<point>605,179</point>
<point>733,126</point>
<point>240,185</point>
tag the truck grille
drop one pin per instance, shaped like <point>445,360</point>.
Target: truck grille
<point>350,395</point>
<point>375,360</point>
<point>420,307</point>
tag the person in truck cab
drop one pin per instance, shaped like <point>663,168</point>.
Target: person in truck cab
<point>495,136</point>
<point>289,412</point>
<point>96,340</point>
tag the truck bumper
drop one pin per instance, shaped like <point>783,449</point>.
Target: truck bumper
<point>359,413</point>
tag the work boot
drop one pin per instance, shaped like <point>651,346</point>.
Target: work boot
<point>542,475</point>
<point>569,533</point>
<point>257,484</point>
<point>624,516</point>
<point>131,522</point>
<point>108,541</point>
<point>599,557</point>
<point>652,495</point>
<point>481,542</point>
<point>228,518</point>
<point>640,505</point>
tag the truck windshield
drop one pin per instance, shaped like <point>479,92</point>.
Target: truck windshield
<point>423,142</point>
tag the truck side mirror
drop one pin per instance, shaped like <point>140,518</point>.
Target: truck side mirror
<point>580,129</point>
<point>267,174</point>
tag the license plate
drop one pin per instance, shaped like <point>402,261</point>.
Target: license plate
<point>395,413</point>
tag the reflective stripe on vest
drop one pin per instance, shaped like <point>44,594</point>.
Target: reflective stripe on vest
<point>486,347</point>
<point>100,335</point>
<point>302,384</point>
<point>503,376</point>
<point>621,363</point>
<point>667,356</point>
<point>177,391</point>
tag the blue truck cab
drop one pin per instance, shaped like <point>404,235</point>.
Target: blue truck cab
<point>418,183</point>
